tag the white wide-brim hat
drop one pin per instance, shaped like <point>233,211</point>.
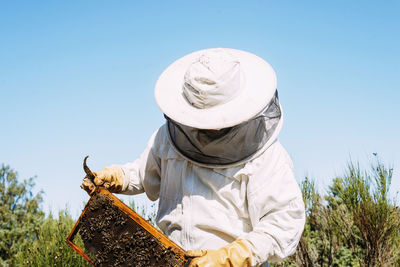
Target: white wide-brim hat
<point>215,88</point>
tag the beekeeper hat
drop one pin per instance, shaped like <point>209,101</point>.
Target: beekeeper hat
<point>215,88</point>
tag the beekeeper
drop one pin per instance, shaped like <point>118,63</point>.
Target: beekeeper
<point>226,187</point>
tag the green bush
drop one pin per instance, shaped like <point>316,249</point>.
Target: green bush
<point>355,224</point>
<point>50,247</point>
<point>27,238</point>
<point>20,215</point>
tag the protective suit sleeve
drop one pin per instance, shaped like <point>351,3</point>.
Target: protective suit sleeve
<point>276,211</point>
<point>143,175</point>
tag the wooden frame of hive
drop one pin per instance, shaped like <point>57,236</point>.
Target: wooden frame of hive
<point>165,241</point>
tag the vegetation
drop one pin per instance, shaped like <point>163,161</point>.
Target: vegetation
<point>356,223</point>
<point>27,238</point>
<point>20,215</point>
<point>50,247</point>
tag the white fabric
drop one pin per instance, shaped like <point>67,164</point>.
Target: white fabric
<point>205,208</point>
<point>212,80</point>
<point>215,88</point>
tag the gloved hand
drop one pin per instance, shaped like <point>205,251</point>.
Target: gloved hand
<point>235,254</point>
<point>111,178</point>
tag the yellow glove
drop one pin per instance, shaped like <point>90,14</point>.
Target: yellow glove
<point>235,254</point>
<point>88,186</point>
<point>111,178</point>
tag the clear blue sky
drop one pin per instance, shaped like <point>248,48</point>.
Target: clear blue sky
<point>77,78</point>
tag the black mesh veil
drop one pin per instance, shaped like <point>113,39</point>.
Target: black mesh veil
<point>228,145</point>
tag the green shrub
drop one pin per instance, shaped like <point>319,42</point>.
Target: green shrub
<point>50,247</point>
<point>20,215</point>
<point>355,224</point>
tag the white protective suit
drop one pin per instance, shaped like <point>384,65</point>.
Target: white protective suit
<point>207,208</point>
